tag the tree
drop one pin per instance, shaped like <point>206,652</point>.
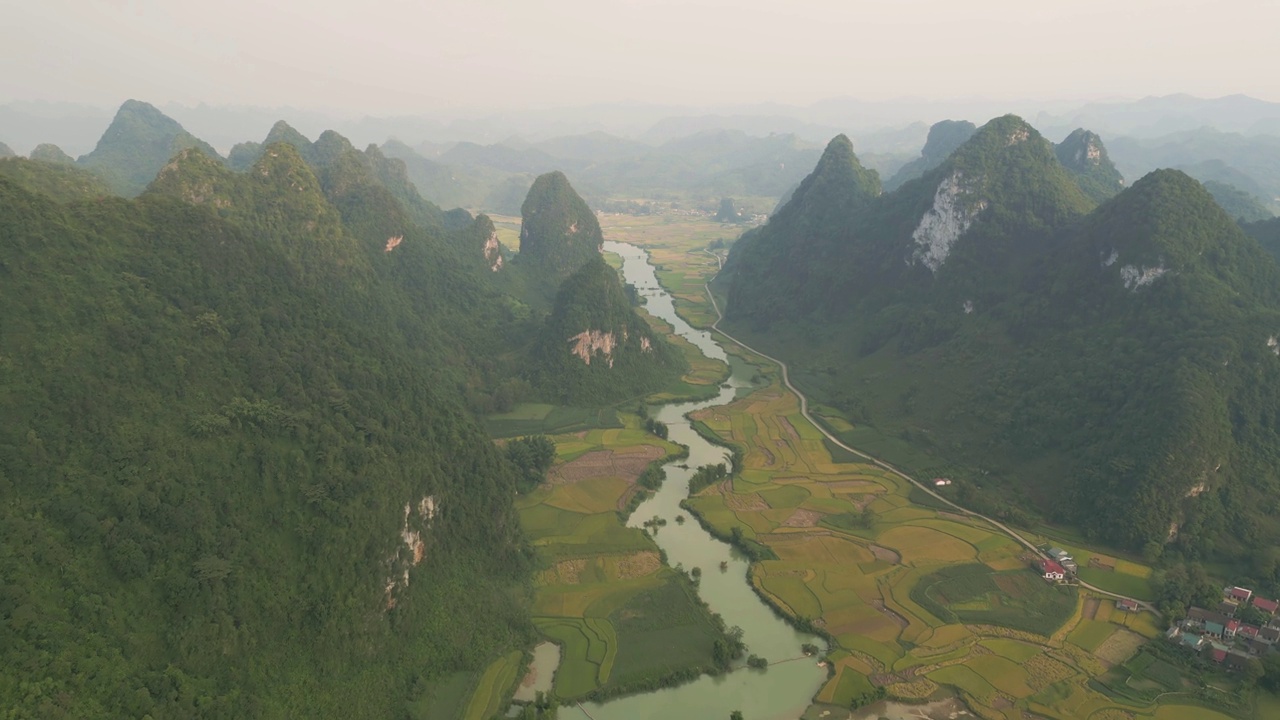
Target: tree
<point>735,715</point>
<point>727,212</point>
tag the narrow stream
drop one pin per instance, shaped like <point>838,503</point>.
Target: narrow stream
<point>784,690</point>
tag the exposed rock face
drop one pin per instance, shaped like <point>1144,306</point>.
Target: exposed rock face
<point>595,346</point>
<point>590,342</point>
<point>1084,156</point>
<point>415,547</point>
<point>493,252</point>
<point>1135,277</point>
<point>944,223</point>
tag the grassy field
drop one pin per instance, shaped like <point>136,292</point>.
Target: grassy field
<point>494,688</point>
<point>621,617</point>
<point>914,598</point>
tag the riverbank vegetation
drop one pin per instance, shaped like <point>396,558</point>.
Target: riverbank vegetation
<point>625,621</point>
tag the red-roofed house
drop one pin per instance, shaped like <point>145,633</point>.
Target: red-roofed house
<point>1218,655</point>
<point>1232,627</point>
<point>1127,605</point>
<point>1265,605</point>
<point>1238,594</point>
<point>1051,570</point>
<point>1249,631</point>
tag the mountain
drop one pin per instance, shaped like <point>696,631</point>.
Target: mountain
<point>944,137</point>
<point>1084,156</point>
<point>59,182</point>
<point>473,186</point>
<point>558,232</point>
<point>358,182</point>
<point>239,479</point>
<point>1155,116</point>
<point>1103,365</point>
<point>1251,163</point>
<point>499,157</point>
<point>47,152</point>
<point>139,141</point>
<point>591,147</point>
<point>1267,233</point>
<point>595,348</point>
<point>6,151</point>
<point>1238,204</point>
<point>962,230</point>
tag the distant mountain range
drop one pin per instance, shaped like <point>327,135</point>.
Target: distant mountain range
<point>759,152</point>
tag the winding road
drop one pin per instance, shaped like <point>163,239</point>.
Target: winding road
<point>804,410</point>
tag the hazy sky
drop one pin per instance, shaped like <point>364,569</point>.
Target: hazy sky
<point>417,56</point>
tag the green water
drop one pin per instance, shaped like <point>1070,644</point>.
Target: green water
<point>784,690</point>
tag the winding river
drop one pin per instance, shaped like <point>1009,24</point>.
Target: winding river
<point>787,687</point>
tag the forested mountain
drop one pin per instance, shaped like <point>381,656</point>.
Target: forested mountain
<point>1112,367</point>
<point>944,137</point>
<point>238,478</point>
<point>595,348</point>
<point>558,232</point>
<point>1267,233</point>
<point>139,141</point>
<point>1249,162</point>
<point>1083,155</point>
<point>462,186</point>
<point>58,181</point>
<point>1238,204</point>
<point>47,152</point>
<point>6,151</point>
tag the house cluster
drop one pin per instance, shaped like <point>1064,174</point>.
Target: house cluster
<point>1225,638</point>
<point>1058,566</point>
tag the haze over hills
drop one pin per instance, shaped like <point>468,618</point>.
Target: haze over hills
<point>985,308</point>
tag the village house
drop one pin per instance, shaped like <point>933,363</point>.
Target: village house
<point>1231,628</point>
<point>1127,605</point>
<point>1052,571</point>
<point>1228,608</point>
<point>1237,594</point>
<point>1269,635</point>
<point>1214,629</point>
<point>1248,632</point>
<point>1265,605</point>
<point>1059,554</point>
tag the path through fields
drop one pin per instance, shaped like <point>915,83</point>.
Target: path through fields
<point>804,411</point>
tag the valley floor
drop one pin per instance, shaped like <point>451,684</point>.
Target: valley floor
<point>919,602</point>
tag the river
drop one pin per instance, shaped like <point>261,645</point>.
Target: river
<point>784,690</point>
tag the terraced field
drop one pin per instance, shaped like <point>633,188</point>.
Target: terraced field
<point>914,598</point>
<point>622,618</point>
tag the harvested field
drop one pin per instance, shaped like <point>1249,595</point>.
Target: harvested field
<point>854,486</point>
<point>745,503</point>
<point>638,565</point>
<point>802,519</point>
<point>788,428</point>
<point>568,572</point>
<point>1120,646</point>
<point>1090,611</point>
<point>626,464</point>
<point>885,554</point>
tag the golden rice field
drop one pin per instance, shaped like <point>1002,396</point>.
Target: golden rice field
<point>851,548</point>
